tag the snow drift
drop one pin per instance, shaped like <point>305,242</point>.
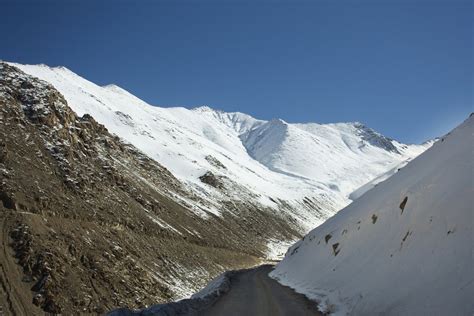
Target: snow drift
<point>403,248</point>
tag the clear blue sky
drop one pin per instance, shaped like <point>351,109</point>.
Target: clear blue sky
<point>402,67</point>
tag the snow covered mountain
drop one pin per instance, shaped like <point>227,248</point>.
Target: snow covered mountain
<point>405,247</point>
<point>305,171</point>
<point>177,198</point>
<point>87,219</point>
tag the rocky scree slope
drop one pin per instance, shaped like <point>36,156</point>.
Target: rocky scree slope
<point>404,247</point>
<point>90,223</point>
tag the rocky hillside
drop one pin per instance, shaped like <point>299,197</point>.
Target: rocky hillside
<point>90,223</point>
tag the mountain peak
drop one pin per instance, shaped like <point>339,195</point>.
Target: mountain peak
<point>204,108</point>
<point>114,87</point>
<point>62,68</point>
<point>375,138</point>
<point>277,121</point>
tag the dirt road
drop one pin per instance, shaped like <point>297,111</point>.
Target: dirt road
<point>254,293</point>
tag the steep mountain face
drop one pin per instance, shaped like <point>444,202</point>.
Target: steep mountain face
<point>108,201</point>
<point>403,247</point>
<point>89,223</point>
<point>303,171</point>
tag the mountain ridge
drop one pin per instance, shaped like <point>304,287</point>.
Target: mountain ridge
<point>280,171</point>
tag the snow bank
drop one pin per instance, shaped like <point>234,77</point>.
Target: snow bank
<point>403,248</point>
<point>217,286</point>
<point>192,306</point>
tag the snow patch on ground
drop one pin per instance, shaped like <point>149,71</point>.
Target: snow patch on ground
<point>189,306</point>
<point>276,249</point>
<point>213,287</point>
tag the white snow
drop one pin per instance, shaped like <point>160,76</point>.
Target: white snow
<point>213,287</point>
<point>371,184</point>
<point>265,160</point>
<point>389,262</point>
<point>276,249</point>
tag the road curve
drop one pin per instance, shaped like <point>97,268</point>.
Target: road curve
<point>253,292</point>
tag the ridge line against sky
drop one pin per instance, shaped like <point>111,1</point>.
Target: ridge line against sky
<point>402,68</point>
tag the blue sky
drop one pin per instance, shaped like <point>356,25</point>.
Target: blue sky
<point>404,68</point>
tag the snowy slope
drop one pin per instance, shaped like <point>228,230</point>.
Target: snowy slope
<point>371,184</point>
<point>403,248</point>
<point>305,169</point>
<point>333,154</point>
